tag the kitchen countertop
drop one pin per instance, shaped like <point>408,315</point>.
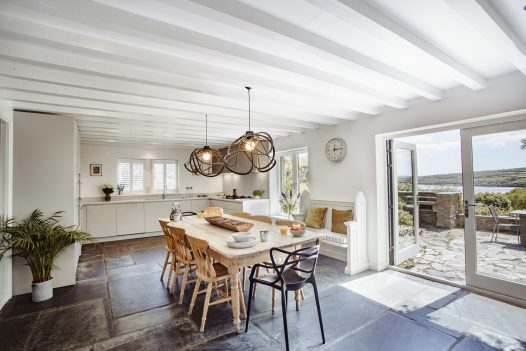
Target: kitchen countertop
<point>119,201</point>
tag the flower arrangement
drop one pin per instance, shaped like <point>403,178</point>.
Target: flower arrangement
<point>289,202</point>
<point>108,189</point>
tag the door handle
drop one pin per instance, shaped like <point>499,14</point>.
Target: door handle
<point>466,207</point>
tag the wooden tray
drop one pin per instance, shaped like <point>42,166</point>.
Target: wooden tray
<point>230,224</point>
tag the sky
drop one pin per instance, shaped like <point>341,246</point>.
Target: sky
<point>439,153</point>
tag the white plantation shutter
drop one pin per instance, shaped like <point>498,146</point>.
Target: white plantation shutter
<point>130,173</point>
<point>164,172</point>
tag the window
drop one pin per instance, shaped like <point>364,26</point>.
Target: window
<point>294,171</point>
<point>130,173</point>
<point>164,173</point>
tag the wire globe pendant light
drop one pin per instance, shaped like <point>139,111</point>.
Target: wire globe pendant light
<point>205,161</point>
<point>251,151</point>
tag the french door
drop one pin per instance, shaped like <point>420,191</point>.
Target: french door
<point>492,264</point>
<point>403,200</point>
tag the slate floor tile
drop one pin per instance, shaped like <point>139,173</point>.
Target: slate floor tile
<point>159,338</point>
<point>134,271</point>
<point>162,315</point>
<point>70,327</point>
<point>91,270</point>
<point>471,343</point>
<point>15,332</point>
<point>119,261</point>
<point>342,313</point>
<point>255,340</point>
<point>137,294</point>
<point>392,332</point>
<point>67,295</point>
<point>156,254</point>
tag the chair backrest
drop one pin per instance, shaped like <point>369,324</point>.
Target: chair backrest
<point>288,222</point>
<point>213,211</point>
<point>265,219</point>
<point>303,260</point>
<point>205,264</point>
<point>183,251</point>
<point>242,214</point>
<point>493,212</point>
<point>167,237</point>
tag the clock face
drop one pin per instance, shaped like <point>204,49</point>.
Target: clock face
<point>336,149</point>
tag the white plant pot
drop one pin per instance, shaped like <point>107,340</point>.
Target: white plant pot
<point>257,197</point>
<point>42,291</point>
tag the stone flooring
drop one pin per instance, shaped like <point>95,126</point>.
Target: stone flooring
<point>119,303</point>
<point>442,255</point>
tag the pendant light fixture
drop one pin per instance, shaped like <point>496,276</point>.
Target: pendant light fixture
<point>251,151</point>
<point>205,161</point>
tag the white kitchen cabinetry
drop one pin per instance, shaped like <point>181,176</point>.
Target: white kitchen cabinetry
<point>228,206</point>
<point>161,209</point>
<point>101,221</point>
<point>130,218</point>
<point>199,205</point>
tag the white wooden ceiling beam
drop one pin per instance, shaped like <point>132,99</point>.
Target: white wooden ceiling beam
<point>181,107</point>
<point>127,108</point>
<point>318,113</point>
<point>481,15</point>
<point>308,95</point>
<point>190,59</point>
<point>345,61</point>
<point>346,10</point>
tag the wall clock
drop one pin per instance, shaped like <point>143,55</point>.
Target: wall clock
<point>336,149</point>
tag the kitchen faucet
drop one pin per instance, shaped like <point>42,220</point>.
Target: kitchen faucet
<point>165,189</point>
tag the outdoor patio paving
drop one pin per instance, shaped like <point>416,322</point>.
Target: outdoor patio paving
<point>442,255</point>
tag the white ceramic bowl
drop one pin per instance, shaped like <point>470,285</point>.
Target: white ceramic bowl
<point>241,237</point>
<point>298,233</point>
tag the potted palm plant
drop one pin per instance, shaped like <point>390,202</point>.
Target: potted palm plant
<point>39,240</point>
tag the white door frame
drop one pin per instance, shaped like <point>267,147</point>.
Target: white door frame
<point>472,277</point>
<point>403,254</point>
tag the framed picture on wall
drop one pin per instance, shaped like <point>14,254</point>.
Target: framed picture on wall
<point>95,169</point>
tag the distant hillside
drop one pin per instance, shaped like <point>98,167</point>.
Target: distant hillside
<point>511,177</point>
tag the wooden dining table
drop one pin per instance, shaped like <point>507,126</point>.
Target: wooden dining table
<point>235,259</point>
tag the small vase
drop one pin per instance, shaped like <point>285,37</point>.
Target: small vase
<point>42,291</point>
<point>291,217</point>
<point>107,197</point>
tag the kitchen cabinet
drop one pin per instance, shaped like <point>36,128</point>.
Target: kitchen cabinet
<point>101,221</point>
<point>162,209</point>
<point>130,218</point>
<point>199,205</point>
<point>228,206</point>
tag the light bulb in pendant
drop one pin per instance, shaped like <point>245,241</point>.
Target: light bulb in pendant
<point>206,156</point>
<point>250,145</point>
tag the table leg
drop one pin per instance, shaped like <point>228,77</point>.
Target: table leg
<point>234,293</point>
<point>297,297</point>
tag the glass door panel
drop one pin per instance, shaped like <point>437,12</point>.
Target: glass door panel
<point>405,201</point>
<point>494,176</point>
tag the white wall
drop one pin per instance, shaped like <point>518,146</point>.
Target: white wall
<point>358,171</point>
<point>245,184</point>
<point>6,115</point>
<point>108,155</point>
<point>44,178</point>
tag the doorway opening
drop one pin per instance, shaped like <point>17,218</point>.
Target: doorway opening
<point>427,197</point>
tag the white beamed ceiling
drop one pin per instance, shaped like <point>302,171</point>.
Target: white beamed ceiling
<point>146,72</point>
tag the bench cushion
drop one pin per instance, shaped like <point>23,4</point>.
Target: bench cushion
<point>339,217</point>
<point>316,217</point>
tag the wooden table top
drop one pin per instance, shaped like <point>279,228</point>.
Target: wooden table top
<point>217,236</point>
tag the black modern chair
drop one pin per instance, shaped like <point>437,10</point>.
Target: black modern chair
<point>294,273</point>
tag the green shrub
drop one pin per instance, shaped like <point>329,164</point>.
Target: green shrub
<point>517,198</point>
<point>405,218</point>
<point>500,201</point>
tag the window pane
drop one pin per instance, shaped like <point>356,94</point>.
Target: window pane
<point>124,175</point>
<point>138,177</point>
<point>287,181</point>
<point>303,171</point>
<point>158,176</point>
<point>171,174</point>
